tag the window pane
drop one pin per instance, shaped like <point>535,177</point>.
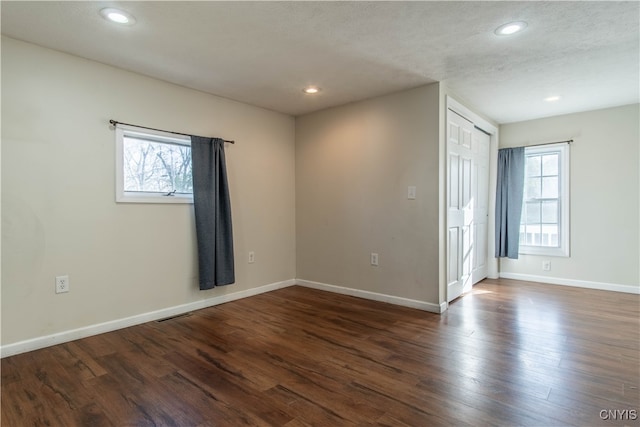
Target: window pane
<point>528,239</point>
<point>550,187</point>
<point>550,164</point>
<point>544,239</point>
<point>550,212</point>
<point>555,239</point>
<point>156,167</point>
<point>542,224</point>
<point>533,165</point>
<point>533,235</point>
<point>532,213</point>
<point>550,235</point>
<point>533,188</point>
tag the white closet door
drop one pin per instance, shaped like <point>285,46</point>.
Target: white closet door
<point>482,146</point>
<point>467,198</point>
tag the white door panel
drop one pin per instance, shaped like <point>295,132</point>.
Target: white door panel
<point>481,212</point>
<point>454,181</point>
<point>466,182</point>
<point>453,275</point>
<point>467,198</point>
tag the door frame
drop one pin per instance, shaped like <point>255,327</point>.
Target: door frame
<point>493,131</point>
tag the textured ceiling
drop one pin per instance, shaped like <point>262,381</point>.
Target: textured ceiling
<point>264,53</point>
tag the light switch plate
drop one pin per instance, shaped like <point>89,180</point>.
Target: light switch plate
<point>411,192</point>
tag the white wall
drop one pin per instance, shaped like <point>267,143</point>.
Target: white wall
<point>334,183</point>
<point>605,217</point>
<point>353,166</point>
<point>58,204</point>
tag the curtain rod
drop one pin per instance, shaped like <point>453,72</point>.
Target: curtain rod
<point>482,130</point>
<point>114,123</point>
<point>568,141</point>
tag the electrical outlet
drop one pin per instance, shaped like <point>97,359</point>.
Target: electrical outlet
<point>252,257</point>
<point>62,284</point>
<point>374,259</point>
<point>546,265</point>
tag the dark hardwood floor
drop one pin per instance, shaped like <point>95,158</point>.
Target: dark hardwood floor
<point>509,353</point>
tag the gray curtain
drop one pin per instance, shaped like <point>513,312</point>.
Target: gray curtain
<point>509,195</point>
<point>212,208</point>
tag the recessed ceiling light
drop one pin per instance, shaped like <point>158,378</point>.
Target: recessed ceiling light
<point>552,98</point>
<point>510,28</point>
<point>118,16</point>
<point>311,90</point>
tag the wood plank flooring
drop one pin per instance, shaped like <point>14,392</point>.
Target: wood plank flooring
<point>509,353</point>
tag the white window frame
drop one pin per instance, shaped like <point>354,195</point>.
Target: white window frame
<point>123,196</point>
<point>563,202</point>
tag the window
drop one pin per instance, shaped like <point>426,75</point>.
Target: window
<point>152,166</point>
<point>544,226</point>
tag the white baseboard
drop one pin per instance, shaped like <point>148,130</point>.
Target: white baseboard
<point>87,331</point>
<point>406,302</point>
<point>571,282</point>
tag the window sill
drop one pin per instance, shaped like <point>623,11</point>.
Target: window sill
<point>539,250</point>
<point>132,197</point>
